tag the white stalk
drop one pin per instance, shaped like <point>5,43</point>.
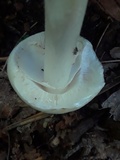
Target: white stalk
<point>29,61</point>
<point>63,22</point>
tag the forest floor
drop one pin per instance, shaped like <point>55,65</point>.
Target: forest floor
<point>92,132</point>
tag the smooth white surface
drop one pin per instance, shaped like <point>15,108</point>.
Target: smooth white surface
<point>25,74</point>
<point>63,22</point>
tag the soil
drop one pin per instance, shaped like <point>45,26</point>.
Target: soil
<point>92,132</point>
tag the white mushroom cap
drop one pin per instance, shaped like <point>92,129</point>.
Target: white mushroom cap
<point>26,74</point>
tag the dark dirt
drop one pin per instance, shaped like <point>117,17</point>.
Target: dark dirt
<point>91,133</point>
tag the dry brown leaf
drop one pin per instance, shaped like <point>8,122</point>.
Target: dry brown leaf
<point>115,52</point>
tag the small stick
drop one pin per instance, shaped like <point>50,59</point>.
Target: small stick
<point>3,69</point>
<point>3,58</point>
<point>102,37</point>
<point>30,119</point>
<point>111,61</point>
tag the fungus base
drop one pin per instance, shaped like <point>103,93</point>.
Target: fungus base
<point>26,74</point>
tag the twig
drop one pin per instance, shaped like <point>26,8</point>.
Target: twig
<point>3,69</point>
<point>3,58</point>
<point>102,37</point>
<point>111,61</point>
<point>34,25</point>
<point>30,119</point>
<point>102,55</point>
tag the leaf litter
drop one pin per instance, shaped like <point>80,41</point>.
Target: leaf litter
<point>91,133</point>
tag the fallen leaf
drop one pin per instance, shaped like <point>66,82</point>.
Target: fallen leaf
<point>115,52</point>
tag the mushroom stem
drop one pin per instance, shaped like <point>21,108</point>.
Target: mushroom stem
<point>63,22</point>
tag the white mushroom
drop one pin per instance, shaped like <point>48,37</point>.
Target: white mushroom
<point>57,71</point>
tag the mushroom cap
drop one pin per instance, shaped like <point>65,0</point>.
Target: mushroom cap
<point>26,73</point>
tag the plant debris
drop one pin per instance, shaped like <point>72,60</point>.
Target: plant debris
<point>92,132</point>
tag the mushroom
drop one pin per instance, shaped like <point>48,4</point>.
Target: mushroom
<point>57,71</point>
